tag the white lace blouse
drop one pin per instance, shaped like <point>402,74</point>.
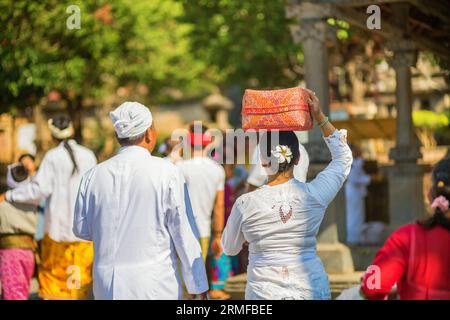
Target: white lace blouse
<point>281,222</point>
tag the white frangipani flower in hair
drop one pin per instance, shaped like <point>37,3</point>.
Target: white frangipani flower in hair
<point>282,153</point>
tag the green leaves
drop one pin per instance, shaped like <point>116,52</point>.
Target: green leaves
<point>249,42</point>
<point>429,119</point>
<point>120,43</point>
<point>182,46</point>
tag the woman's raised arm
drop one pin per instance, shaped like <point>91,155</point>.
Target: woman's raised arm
<point>326,126</point>
<point>328,182</point>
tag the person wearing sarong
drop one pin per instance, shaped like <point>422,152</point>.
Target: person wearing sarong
<point>281,219</point>
<point>205,179</point>
<point>134,208</point>
<point>65,271</point>
<point>222,266</point>
<point>257,177</point>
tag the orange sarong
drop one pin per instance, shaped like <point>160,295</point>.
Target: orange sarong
<point>65,272</point>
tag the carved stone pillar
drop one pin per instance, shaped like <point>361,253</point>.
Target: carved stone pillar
<point>405,177</point>
<point>404,56</point>
<point>313,31</point>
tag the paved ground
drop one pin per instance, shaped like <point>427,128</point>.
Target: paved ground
<point>237,285</point>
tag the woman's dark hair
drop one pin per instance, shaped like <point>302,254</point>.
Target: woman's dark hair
<point>269,140</point>
<point>440,187</point>
<point>19,173</point>
<point>62,122</point>
<point>26,155</point>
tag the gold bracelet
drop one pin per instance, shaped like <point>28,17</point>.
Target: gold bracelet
<point>323,122</point>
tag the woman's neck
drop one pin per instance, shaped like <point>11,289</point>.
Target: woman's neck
<point>281,178</point>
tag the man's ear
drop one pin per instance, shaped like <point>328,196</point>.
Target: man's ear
<point>148,135</point>
<point>154,132</point>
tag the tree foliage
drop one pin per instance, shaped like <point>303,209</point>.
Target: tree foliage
<point>120,42</point>
<point>430,125</point>
<point>248,42</point>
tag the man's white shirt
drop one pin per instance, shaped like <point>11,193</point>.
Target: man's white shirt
<point>204,178</point>
<point>133,207</point>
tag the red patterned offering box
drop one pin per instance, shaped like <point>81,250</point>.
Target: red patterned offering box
<point>284,110</point>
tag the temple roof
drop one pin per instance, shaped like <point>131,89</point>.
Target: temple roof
<point>427,22</point>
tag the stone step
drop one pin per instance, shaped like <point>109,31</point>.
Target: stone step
<point>235,286</point>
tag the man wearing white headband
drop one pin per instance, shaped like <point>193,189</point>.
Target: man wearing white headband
<point>133,208</point>
<point>131,120</point>
<point>57,182</point>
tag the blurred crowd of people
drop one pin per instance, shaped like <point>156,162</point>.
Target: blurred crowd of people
<point>80,222</point>
<point>43,233</point>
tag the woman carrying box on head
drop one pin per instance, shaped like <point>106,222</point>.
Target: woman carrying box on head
<point>281,219</point>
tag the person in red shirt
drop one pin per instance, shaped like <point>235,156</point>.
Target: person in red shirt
<point>416,257</point>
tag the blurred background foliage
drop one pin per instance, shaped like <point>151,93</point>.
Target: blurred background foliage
<point>166,51</point>
<point>248,42</point>
<point>128,42</point>
<point>432,127</point>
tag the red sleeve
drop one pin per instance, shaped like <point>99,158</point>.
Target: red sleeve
<point>389,265</point>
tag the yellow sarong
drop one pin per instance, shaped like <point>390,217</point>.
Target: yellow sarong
<point>65,271</point>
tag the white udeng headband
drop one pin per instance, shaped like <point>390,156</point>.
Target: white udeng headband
<point>282,153</point>
<point>58,133</point>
